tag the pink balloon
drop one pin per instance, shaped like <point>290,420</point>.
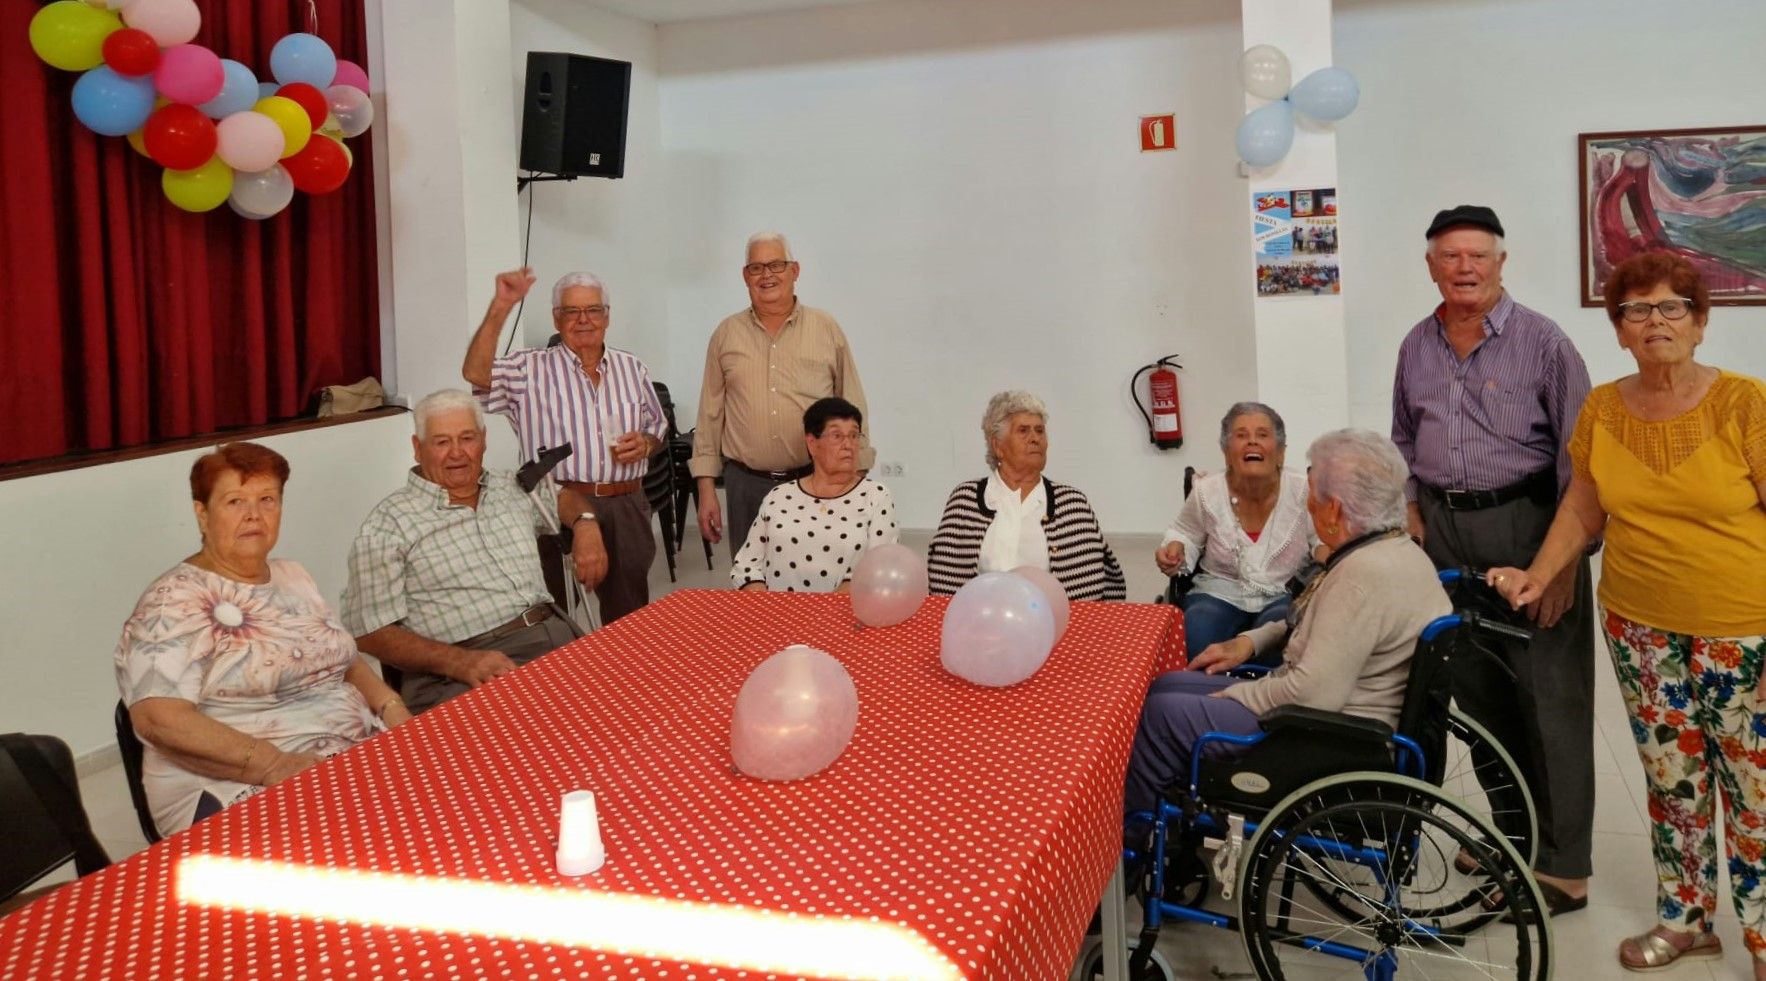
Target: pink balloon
<point>250,142</point>
<point>190,74</point>
<point>997,630</point>
<point>1054,591</point>
<point>171,22</point>
<point>794,715</point>
<point>888,585</point>
<point>350,73</point>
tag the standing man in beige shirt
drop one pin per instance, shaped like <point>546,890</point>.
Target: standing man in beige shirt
<point>763,368</point>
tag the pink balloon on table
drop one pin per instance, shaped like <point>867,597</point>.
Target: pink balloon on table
<point>888,585</point>
<point>250,141</point>
<point>189,74</point>
<point>1056,593</point>
<point>794,715</point>
<point>171,22</point>
<point>350,73</point>
<point>997,630</point>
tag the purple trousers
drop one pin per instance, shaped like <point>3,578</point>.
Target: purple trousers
<point>1180,707</point>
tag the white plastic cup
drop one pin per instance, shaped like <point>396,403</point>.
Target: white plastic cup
<point>579,835</point>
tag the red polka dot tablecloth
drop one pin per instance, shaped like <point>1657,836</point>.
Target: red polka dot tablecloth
<point>982,823</point>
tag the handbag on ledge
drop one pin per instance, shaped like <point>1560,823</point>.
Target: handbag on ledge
<point>341,400</point>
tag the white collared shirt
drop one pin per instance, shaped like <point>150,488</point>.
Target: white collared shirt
<point>1015,537</point>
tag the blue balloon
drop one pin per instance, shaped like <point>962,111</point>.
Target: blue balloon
<point>266,89</point>
<point>303,58</point>
<point>1326,95</point>
<point>111,104</point>
<point>1266,134</point>
<point>239,91</point>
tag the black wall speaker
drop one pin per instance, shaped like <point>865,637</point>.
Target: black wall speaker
<point>573,115</point>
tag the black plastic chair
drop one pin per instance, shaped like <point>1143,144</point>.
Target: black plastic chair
<point>133,751</point>
<point>41,816</point>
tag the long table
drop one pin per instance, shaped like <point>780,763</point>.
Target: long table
<point>979,825</point>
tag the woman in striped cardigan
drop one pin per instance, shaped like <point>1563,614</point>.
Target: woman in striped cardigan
<point>1015,516</point>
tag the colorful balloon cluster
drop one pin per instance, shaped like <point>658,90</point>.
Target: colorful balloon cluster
<point>1266,133</point>
<point>221,135</point>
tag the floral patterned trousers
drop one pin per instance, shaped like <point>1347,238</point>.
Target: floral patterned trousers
<point>1696,713</point>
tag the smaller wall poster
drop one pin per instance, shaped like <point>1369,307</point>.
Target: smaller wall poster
<point>1295,236</point>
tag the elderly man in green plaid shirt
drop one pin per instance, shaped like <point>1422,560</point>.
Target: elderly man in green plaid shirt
<point>445,577</point>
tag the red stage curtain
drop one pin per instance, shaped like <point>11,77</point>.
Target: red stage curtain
<point>124,320</point>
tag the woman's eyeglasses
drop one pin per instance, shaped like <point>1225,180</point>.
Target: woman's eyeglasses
<point>1637,311</point>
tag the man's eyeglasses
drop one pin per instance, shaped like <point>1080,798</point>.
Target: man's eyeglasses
<point>1637,311</point>
<point>577,313</point>
<point>776,266</point>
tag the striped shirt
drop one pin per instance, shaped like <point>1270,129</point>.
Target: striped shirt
<point>1078,555</point>
<point>1499,416</point>
<point>547,394</point>
<point>447,571</point>
<point>757,386</point>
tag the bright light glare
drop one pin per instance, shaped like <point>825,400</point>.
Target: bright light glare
<point>641,926</point>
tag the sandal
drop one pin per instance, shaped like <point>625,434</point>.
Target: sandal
<point>1557,902</point>
<point>1655,952</point>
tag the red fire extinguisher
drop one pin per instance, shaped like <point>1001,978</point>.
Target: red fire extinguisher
<point>1165,421</point>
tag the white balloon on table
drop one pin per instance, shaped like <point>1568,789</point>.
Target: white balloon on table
<point>888,585</point>
<point>1053,591</point>
<point>794,715</point>
<point>997,630</point>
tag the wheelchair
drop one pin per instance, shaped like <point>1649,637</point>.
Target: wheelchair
<point>1336,835</point>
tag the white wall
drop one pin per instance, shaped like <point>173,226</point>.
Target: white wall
<point>963,185</point>
<point>613,228</point>
<point>82,544</point>
<point>1491,118</point>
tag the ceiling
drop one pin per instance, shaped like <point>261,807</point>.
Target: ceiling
<point>669,11</point>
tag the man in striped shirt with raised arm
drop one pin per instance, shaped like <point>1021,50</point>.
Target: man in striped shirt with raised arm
<point>599,400</point>
<point>1486,396</point>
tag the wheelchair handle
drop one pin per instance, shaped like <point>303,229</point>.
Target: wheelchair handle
<point>1497,628</point>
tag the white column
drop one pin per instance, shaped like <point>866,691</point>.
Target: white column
<point>446,137</point>
<point>1302,365</point>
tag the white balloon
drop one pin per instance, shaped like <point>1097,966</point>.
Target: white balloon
<point>1265,71</point>
<point>263,193</point>
<point>1051,588</point>
<point>997,630</point>
<point>888,585</point>
<point>794,715</point>
<point>352,109</point>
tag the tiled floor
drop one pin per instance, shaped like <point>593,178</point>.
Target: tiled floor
<point>1623,890</point>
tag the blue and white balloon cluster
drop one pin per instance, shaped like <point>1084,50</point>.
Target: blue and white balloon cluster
<point>1266,133</point>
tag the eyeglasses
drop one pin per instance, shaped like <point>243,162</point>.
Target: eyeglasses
<point>775,266</point>
<point>836,436</point>
<point>1637,311</point>
<point>577,313</point>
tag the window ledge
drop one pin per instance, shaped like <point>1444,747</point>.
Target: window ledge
<point>98,458</point>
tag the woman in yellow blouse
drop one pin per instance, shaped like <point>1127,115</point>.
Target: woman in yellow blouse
<point>1670,463</point>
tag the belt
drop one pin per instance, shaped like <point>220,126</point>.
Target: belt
<point>614,489</point>
<point>1541,486</point>
<point>776,476</point>
<point>538,613</point>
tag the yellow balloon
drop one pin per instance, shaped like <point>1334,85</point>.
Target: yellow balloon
<point>297,127</point>
<point>203,189</point>
<point>138,140</point>
<point>70,35</point>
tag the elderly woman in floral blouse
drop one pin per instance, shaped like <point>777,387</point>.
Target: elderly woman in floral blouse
<point>236,673</point>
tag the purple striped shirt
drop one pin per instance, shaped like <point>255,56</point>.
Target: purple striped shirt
<point>548,396</point>
<point>1499,416</point>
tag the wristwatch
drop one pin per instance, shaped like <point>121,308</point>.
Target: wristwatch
<point>585,516</point>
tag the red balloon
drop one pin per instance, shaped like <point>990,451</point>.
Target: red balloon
<point>180,137</point>
<point>131,52</point>
<point>310,99</point>
<point>320,168</point>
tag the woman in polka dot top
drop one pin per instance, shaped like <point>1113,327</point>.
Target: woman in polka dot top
<point>810,532</point>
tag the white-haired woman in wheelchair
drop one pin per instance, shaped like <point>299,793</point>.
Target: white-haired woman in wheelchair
<point>1349,636</point>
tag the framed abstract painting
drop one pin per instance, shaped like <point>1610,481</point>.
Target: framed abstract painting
<point>1700,193</point>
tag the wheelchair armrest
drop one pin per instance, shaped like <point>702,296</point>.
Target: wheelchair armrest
<point>1302,718</point>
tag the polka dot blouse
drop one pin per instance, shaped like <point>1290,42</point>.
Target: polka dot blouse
<point>801,543</point>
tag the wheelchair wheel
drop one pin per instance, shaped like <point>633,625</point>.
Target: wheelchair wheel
<point>1358,865</point>
<point>1481,772</point>
<point>1091,963</point>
